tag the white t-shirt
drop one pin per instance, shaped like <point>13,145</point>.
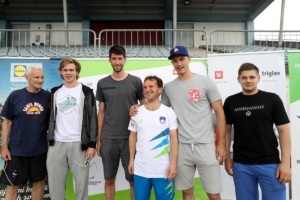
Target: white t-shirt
<point>152,157</point>
<point>68,128</point>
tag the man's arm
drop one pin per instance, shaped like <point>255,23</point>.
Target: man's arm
<point>132,147</point>
<point>228,161</point>
<point>100,119</point>
<point>6,128</point>
<point>221,125</point>
<point>174,154</point>
<point>91,151</point>
<point>284,170</point>
<point>133,110</point>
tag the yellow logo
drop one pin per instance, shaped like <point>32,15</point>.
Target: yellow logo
<point>19,71</point>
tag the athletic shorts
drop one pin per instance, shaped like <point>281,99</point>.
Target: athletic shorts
<point>19,169</point>
<point>163,188</point>
<point>203,158</point>
<point>112,150</point>
<point>248,177</point>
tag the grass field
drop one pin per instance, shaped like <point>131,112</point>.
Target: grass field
<point>124,194</point>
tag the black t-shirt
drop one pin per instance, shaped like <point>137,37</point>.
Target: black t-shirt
<point>253,118</point>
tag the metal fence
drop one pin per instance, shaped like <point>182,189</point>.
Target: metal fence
<point>152,42</point>
<point>140,42</point>
<point>233,41</point>
<point>47,43</point>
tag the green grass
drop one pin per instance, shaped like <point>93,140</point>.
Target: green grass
<point>124,194</point>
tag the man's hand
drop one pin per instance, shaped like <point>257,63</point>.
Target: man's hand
<point>131,166</point>
<point>98,148</point>
<point>5,154</point>
<point>229,166</point>
<point>283,173</point>
<point>133,110</point>
<point>221,152</point>
<point>90,153</point>
<point>171,173</point>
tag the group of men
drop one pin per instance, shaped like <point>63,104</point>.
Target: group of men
<point>160,143</point>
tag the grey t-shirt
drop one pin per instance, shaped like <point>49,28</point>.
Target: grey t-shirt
<point>191,101</point>
<point>118,96</point>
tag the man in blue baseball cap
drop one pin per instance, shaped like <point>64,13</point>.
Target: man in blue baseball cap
<point>199,95</point>
<point>197,150</point>
<point>178,50</point>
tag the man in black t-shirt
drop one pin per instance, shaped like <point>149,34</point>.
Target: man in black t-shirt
<point>256,159</point>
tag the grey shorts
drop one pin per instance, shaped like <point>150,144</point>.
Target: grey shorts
<point>203,158</point>
<point>112,150</point>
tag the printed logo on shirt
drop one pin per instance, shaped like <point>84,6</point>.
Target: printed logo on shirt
<point>259,107</point>
<point>164,142</point>
<point>248,113</point>
<point>248,109</point>
<point>132,124</point>
<point>162,119</point>
<point>33,108</point>
<point>194,95</point>
<point>67,104</point>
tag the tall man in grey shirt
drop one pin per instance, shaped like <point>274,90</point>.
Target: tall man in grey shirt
<point>116,93</point>
<point>193,97</point>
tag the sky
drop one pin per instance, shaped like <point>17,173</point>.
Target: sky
<point>269,19</point>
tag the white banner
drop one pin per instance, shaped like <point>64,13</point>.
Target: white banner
<point>294,74</point>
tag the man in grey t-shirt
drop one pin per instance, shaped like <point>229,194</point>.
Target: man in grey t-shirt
<point>193,97</point>
<point>116,93</point>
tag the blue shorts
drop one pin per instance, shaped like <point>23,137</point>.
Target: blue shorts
<point>163,188</point>
<point>247,177</point>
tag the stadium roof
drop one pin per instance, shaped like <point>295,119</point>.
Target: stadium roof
<point>78,10</point>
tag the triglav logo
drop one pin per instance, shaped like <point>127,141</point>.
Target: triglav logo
<point>270,73</point>
<point>218,74</point>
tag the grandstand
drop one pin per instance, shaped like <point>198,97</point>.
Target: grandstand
<point>149,28</point>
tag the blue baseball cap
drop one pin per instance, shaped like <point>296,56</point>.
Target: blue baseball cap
<point>178,50</point>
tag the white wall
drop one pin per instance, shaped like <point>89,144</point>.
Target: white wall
<point>56,38</point>
<point>229,38</point>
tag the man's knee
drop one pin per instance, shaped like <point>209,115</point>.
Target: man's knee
<point>213,196</point>
<point>110,181</point>
<point>38,184</point>
<point>131,184</point>
<point>12,189</point>
<point>188,194</point>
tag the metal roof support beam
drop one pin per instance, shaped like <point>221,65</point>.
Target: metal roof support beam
<point>65,6</point>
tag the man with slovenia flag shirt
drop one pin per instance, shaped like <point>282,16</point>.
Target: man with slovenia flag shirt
<point>153,145</point>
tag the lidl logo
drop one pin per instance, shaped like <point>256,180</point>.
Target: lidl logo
<point>19,70</point>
